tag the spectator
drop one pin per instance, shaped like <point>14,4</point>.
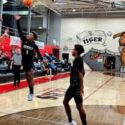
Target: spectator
<point>13,50</point>
<point>4,35</point>
<point>16,65</point>
<point>48,57</point>
<point>53,68</point>
<point>46,67</point>
<point>54,58</point>
<point>5,58</point>
<point>1,52</point>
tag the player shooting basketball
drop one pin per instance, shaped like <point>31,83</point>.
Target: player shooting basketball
<point>29,47</point>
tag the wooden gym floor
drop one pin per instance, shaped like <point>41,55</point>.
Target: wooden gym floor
<point>104,102</point>
<point>96,115</point>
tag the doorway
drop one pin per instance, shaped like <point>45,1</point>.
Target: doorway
<point>56,52</point>
<point>109,62</point>
<point>65,56</point>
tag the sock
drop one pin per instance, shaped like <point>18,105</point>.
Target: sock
<point>31,90</point>
<point>85,122</point>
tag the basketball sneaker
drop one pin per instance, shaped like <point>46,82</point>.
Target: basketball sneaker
<point>72,123</point>
<point>30,97</point>
<point>122,69</point>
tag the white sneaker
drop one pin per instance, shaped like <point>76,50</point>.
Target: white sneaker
<point>124,69</point>
<point>121,69</point>
<point>30,97</point>
<point>72,123</point>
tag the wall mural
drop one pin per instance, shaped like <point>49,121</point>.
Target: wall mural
<point>101,42</point>
<point>121,48</point>
<point>90,37</point>
<point>97,40</point>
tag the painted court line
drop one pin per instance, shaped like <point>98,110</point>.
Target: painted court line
<point>49,121</point>
<point>33,118</point>
<point>106,82</point>
<point>60,123</point>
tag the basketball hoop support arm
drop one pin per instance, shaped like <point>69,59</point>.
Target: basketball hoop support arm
<point>29,21</point>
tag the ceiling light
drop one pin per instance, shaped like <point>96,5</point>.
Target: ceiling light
<point>39,27</point>
<point>118,4</point>
<point>60,3</point>
<point>74,10</point>
<point>16,12</point>
<point>4,1</point>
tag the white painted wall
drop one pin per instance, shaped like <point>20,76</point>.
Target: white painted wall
<point>70,27</point>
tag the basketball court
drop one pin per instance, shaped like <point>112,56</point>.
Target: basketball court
<point>97,25</point>
<point>103,101</point>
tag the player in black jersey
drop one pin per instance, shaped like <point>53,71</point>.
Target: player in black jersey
<point>75,89</point>
<point>28,49</point>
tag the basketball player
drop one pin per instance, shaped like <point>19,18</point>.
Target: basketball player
<point>75,89</point>
<point>28,49</point>
<point>122,48</point>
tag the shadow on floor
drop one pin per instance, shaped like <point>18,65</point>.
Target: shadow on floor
<point>96,115</point>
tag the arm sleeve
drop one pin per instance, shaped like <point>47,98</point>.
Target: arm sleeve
<point>118,35</point>
<point>23,38</point>
<point>38,52</point>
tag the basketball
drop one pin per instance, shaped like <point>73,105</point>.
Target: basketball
<point>27,3</point>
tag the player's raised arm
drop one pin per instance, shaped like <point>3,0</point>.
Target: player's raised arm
<point>23,38</point>
<point>117,35</point>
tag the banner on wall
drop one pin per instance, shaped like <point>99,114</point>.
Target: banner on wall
<point>15,41</point>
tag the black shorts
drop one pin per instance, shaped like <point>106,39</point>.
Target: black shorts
<point>28,67</point>
<point>73,93</point>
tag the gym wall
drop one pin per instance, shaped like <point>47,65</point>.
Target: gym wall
<point>48,31</point>
<point>72,28</point>
<point>54,29</point>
